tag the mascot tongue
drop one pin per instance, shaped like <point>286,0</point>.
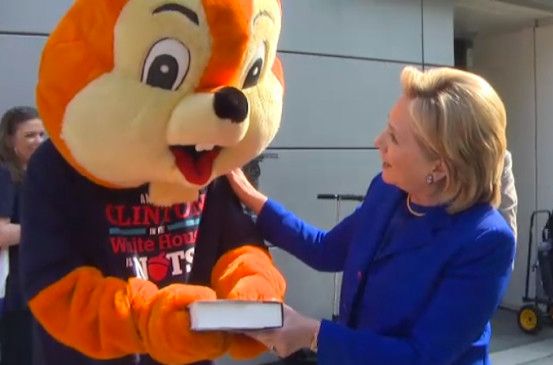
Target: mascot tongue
<point>195,166</point>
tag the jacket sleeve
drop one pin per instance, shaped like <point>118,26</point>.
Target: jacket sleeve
<point>463,303</point>
<point>245,269</point>
<point>322,250</point>
<point>103,317</point>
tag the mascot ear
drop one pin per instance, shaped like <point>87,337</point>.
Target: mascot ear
<point>278,71</point>
<point>229,23</point>
<point>78,51</point>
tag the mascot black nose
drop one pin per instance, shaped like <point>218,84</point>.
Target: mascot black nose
<point>231,103</point>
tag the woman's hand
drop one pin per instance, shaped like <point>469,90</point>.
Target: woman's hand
<point>249,195</point>
<point>297,332</point>
<point>10,233</point>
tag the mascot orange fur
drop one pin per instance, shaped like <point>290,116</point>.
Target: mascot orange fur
<point>126,218</point>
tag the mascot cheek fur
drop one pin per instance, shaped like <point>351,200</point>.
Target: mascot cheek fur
<point>126,218</point>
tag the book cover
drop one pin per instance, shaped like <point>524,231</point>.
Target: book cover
<point>234,315</point>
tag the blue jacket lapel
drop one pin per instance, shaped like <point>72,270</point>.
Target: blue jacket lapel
<point>377,209</point>
<point>426,228</point>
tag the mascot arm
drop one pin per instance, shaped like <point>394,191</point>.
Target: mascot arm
<point>106,317</point>
<point>101,316</point>
<point>245,270</point>
<point>247,273</point>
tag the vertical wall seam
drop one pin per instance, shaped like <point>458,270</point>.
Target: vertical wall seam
<point>423,59</point>
<point>536,172</point>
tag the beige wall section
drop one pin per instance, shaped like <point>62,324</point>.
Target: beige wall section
<point>544,103</point>
<point>525,83</point>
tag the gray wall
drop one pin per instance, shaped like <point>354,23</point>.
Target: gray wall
<point>24,25</point>
<point>342,61</point>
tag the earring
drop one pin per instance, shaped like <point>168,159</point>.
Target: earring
<point>429,179</point>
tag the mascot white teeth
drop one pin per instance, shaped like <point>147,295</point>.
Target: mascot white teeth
<point>126,219</point>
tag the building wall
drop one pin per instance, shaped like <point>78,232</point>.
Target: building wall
<point>342,61</point>
<point>24,26</point>
<point>518,64</point>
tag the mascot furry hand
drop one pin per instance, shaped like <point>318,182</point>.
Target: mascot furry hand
<point>147,103</point>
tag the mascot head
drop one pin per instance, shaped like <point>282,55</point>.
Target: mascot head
<point>170,93</point>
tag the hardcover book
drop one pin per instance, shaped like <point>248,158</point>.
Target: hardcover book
<point>234,315</point>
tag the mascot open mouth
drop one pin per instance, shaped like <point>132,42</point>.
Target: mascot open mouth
<point>195,162</point>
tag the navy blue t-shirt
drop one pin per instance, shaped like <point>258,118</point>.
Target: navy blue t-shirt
<point>9,208</point>
<point>73,222</point>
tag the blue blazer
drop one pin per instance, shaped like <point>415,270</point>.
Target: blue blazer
<point>420,293</point>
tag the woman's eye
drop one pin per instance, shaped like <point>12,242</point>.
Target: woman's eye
<point>166,65</point>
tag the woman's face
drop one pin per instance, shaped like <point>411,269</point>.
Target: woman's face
<point>26,139</point>
<point>404,163</point>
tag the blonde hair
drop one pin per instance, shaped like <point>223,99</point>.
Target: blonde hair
<point>460,119</point>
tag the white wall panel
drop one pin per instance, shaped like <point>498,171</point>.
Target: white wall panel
<point>35,16</point>
<point>507,61</point>
<point>438,32</point>
<point>383,29</point>
<point>335,102</point>
<point>19,59</point>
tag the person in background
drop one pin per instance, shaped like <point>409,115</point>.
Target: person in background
<point>427,257</point>
<point>509,198</point>
<point>21,132</point>
<point>4,264</point>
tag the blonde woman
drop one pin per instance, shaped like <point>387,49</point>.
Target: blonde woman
<point>426,257</point>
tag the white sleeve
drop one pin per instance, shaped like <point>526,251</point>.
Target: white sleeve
<point>508,206</point>
<point>4,269</point>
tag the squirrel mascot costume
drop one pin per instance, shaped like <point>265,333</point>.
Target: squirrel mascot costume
<point>126,218</point>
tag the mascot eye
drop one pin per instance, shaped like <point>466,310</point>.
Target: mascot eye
<point>167,64</point>
<point>254,73</point>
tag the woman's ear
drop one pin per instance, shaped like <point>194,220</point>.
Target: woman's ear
<point>440,171</point>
